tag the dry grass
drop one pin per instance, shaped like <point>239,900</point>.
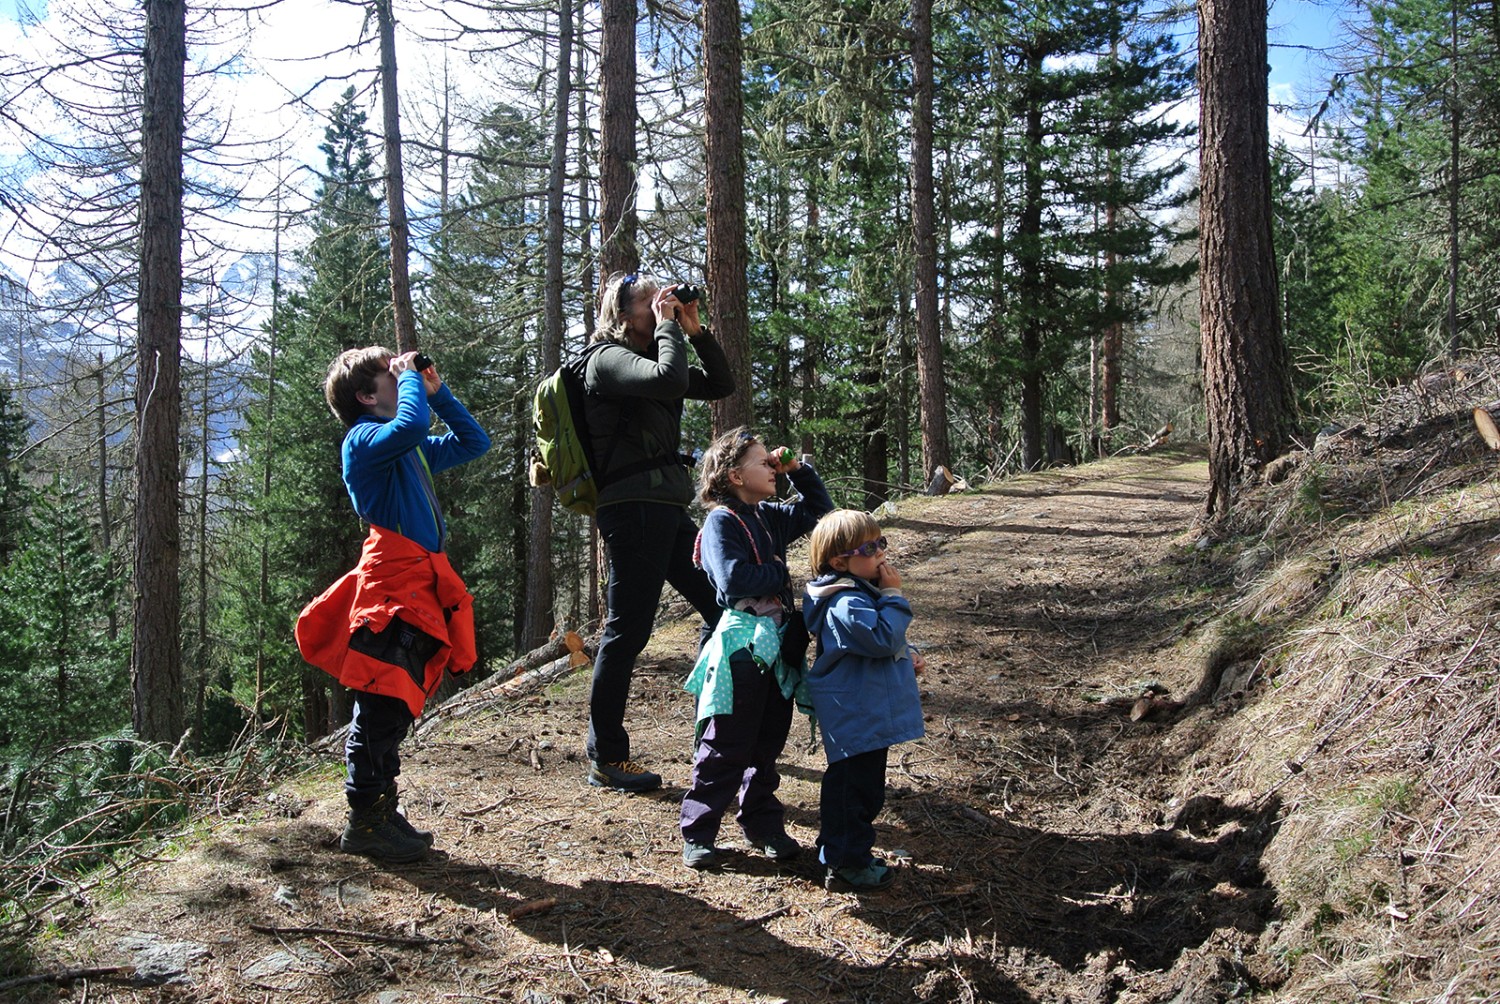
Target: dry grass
<point>1379,725</point>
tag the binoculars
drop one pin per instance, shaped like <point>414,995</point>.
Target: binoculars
<point>687,293</point>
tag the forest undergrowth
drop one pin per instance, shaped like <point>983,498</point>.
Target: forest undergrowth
<point>1164,762</point>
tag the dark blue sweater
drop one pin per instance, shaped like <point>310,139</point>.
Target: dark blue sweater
<point>730,560</point>
<point>383,460</point>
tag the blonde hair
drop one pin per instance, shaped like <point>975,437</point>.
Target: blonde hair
<point>837,533</point>
<point>614,299</point>
<point>353,373</point>
<point>721,457</point>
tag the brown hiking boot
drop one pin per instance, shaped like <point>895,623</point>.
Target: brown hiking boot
<point>625,775</point>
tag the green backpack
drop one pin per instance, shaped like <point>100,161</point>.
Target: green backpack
<point>563,457</point>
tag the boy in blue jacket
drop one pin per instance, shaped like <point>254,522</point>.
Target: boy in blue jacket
<point>863,686</point>
<point>390,628</point>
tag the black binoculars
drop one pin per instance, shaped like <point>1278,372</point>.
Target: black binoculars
<point>420,362</point>
<point>687,293</point>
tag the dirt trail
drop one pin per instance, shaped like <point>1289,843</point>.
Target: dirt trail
<point>1043,854</point>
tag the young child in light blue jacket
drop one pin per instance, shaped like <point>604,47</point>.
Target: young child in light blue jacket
<point>863,686</point>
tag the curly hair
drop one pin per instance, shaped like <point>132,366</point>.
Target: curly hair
<point>838,533</point>
<point>722,456</point>
<point>619,291</point>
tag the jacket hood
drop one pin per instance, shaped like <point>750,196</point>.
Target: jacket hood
<point>824,586</point>
<point>822,590</point>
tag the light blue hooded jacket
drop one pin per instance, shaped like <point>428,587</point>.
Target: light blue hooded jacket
<point>862,683</point>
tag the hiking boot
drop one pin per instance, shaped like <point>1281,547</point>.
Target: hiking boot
<point>778,848</point>
<point>868,878</point>
<point>699,856</point>
<point>624,775</point>
<point>401,822</point>
<point>373,833</point>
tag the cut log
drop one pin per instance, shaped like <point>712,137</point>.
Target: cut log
<point>1487,428</point>
<point>535,679</point>
<point>554,660</point>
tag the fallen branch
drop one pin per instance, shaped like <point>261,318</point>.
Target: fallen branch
<point>67,976</point>
<point>384,939</point>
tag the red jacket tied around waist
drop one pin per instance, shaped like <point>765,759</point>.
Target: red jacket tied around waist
<point>401,599</point>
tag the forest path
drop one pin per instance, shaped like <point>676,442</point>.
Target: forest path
<point>1042,854</point>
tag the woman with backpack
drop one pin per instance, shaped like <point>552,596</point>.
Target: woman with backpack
<point>637,376</point>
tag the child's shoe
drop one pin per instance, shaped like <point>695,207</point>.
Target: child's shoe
<point>372,833</point>
<point>868,878</point>
<point>398,818</point>
<point>699,856</point>
<point>778,848</point>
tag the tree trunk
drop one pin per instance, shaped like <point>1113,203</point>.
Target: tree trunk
<point>586,252</point>
<point>540,589</point>
<point>725,188</point>
<point>811,345</point>
<point>156,648</point>
<point>930,376</point>
<point>996,328</point>
<point>200,646</point>
<point>1455,118</point>
<point>1113,337</point>
<point>617,167</point>
<point>1029,282</point>
<point>875,440</point>
<point>1247,386</point>
<point>395,183</point>
<point>263,586</point>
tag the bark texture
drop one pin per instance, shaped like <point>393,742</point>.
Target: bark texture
<point>727,256</point>
<point>1246,379</point>
<point>395,184</point>
<point>156,649</point>
<point>540,613</point>
<point>930,377</point>
<point>617,166</point>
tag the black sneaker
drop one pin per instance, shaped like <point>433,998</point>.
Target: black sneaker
<point>372,833</point>
<point>778,848</point>
<point>870,878</point>
<point>625,775</point>
<point>699,856</point>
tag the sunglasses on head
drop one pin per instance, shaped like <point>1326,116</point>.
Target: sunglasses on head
<point>866,550</point>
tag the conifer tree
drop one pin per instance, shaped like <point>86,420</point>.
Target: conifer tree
<point>64,678</point>
<point>483,321</point>
<point>312,535</point>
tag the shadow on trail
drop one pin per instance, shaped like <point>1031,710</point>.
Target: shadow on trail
<point>1142,898</point>
<point>629,919</point>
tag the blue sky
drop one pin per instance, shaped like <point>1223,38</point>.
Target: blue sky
<point>1297,27</point>
<point>8,8</point>
<point>1293,23</point>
